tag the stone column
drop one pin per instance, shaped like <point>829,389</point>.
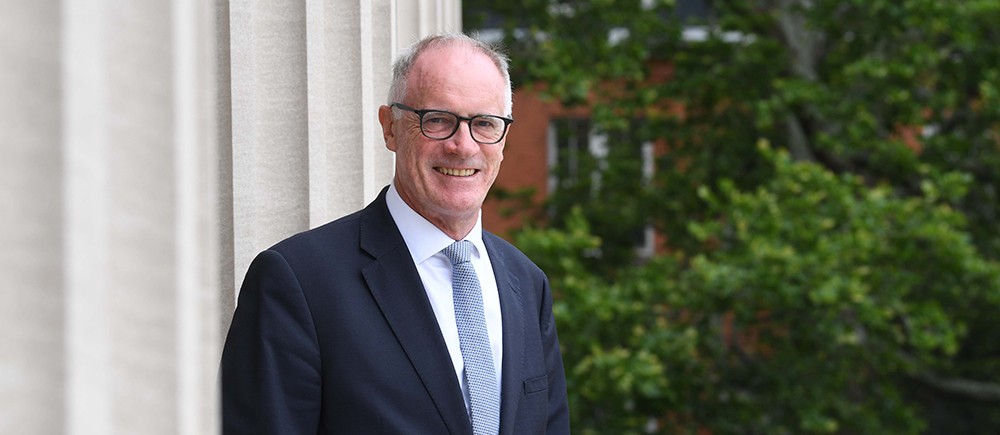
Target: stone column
<point>32,295</point>
<point>108,160</point>
<point>140,245</point>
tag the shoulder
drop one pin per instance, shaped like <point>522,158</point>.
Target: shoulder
<point>338,234</point>
<point>511,257</point>
<point>368,229</point>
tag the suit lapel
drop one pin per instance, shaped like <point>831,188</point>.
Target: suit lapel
<point>511,309</point>
<point>395,284</point>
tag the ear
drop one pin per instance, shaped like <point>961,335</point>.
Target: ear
<point>386,119</point>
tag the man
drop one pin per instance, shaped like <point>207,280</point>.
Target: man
<point>365,325</point>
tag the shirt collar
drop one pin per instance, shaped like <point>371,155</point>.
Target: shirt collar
<point>422,238</point>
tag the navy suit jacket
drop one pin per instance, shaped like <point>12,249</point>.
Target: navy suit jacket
<point>334,334</point>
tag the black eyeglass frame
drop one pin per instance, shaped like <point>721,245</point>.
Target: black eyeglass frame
<point>421,112</point>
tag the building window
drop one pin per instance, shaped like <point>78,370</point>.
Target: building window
<point>578,156</point>
<point>575,151</point>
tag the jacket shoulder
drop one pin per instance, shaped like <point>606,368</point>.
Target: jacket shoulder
<point>512,256</point>
<point>339,234</point>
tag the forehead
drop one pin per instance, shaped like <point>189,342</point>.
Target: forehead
<point>458,78</point>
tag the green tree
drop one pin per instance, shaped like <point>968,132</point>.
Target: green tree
<point>844,284</point>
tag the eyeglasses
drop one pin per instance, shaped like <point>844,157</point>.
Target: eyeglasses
<point>440,125</point>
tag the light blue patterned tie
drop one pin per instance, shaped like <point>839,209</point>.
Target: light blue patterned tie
<point>484,394</point>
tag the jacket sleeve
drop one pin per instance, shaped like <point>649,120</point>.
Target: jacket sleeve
<point>270,371</point>
<point>558,412</point>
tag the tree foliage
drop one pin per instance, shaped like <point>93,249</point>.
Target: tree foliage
<point>822,299</point>
<point>827,189</point>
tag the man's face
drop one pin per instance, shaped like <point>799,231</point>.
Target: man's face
<point>446,181</point>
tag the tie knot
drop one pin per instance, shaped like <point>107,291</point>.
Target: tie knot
<point>459,252</point>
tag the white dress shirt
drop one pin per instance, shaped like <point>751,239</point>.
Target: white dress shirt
<point>425,242</point>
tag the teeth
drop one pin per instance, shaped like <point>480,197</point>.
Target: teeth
<point>457,172</point>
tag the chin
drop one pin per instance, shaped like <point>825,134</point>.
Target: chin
<point>461,207</point>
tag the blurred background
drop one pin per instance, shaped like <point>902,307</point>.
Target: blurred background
<point>761,217</point>
<point>758,217</point>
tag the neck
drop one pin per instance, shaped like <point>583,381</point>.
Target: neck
<point>457,229</point>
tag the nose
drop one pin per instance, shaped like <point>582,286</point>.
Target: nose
<point>461,142</point>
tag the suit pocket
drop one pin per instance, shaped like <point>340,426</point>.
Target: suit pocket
<point>535,385</point>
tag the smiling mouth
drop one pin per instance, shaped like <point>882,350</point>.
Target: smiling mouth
<point>454,172</point>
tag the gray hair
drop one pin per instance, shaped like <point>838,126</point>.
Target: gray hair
<point>404,63</point>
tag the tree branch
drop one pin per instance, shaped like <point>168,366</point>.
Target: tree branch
<point>804,43</point>
<point>805,47</point>
<point>985,391</point>
<point>798,142</point>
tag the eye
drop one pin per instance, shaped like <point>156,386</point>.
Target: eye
<point>438,122</point>
<point>487,123</point>
<point>438,118</point>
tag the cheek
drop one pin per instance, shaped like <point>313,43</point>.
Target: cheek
<point>415,159</point>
